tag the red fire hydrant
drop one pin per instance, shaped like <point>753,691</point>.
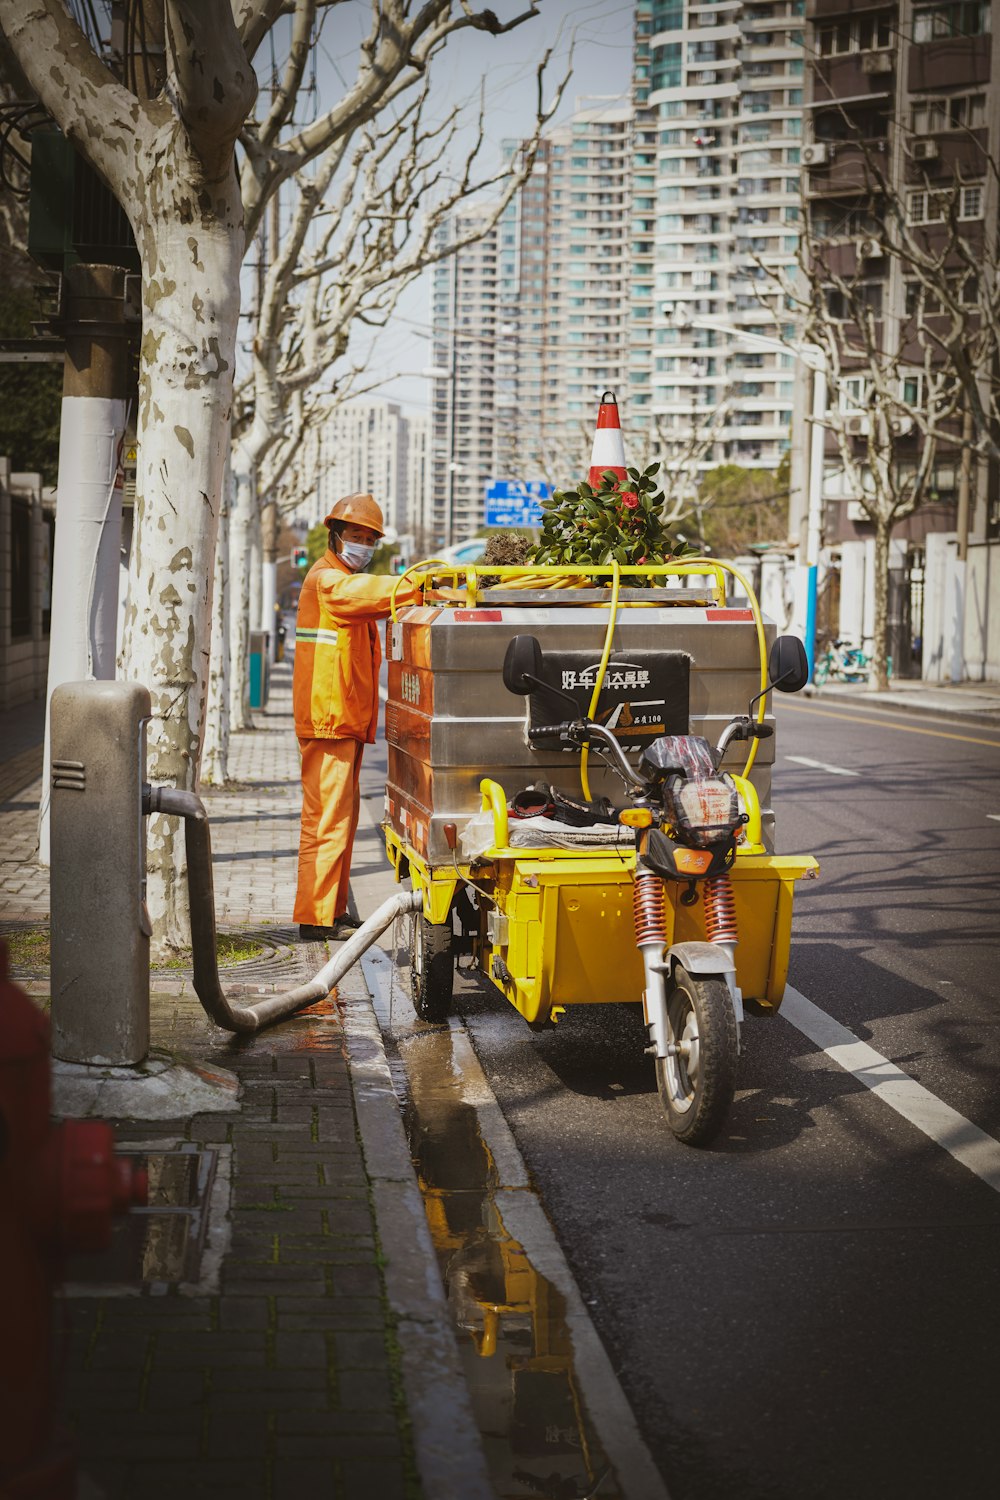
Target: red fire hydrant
<point>60,1188</point>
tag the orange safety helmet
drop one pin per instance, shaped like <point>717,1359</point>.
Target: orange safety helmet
<point>361,510</point>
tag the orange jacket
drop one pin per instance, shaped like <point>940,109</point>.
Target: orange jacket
<point>337,650</point>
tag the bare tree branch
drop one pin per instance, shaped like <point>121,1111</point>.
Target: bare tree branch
<point>394,56</point>
<point>69,79</point>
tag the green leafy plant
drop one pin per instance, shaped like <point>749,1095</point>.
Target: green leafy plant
<point>620,521</point>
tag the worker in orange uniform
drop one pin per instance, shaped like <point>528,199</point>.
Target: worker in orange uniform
<point>335,696</point>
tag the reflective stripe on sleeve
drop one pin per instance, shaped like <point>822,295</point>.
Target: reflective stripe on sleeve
<point>318,637</point>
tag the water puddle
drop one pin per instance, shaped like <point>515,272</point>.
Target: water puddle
<point>513,1333</point>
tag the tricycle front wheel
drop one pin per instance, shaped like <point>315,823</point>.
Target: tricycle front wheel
<point>697,1082</point>
<point>432,968</point>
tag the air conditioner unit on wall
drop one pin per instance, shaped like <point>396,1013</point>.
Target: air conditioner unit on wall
<point>870,250</point>
<point>816,155</point>
<point>856,511</point>
<point>925,151</point>
<point>877,62</point>
<point>900,426</point>
<point>856,425</point>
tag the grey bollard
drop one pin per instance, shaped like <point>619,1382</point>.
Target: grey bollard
<point>99,923</point>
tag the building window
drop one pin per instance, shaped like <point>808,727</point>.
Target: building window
<point>926,301</point>
<point>931,208</point>
<point>666,72</point>
<point>955,112</point>
<point>859,34</point>
<point>668,15</point>
<point>959,18</point>
<point>841,307</point>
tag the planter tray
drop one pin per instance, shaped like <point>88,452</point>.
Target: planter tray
<point>691,597</point>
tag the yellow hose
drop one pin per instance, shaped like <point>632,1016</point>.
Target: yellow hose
<point>431,562</point>
<point>599,681</point>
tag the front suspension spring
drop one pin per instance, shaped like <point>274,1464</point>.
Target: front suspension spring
<point>649,909</point>
<point>720,910</point>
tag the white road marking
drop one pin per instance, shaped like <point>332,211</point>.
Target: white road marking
<point>969,1145</point>
<point>994,816</point>
<point>821,765</point>
<point>383,692</point>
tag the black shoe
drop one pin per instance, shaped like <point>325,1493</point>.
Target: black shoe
<point>309,934</point>
<point>346,926</point>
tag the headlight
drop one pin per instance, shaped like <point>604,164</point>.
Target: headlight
<point>705,810</point>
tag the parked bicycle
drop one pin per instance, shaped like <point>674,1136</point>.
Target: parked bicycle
<point>841,662</point>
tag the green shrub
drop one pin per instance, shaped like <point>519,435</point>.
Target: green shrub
<point>620,521</point>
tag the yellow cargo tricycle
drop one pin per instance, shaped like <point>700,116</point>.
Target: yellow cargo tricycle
<point>567,792</point>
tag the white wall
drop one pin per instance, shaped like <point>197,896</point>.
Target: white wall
<point>981,633</point>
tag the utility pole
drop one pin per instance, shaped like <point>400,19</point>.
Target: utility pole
<point>78,229</point>
<point>957,611</point>
<point>269,510</point>
<point>89,487</point>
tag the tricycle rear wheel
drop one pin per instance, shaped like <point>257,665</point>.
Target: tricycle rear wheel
<point>432,968</point>
<point>697,1084</point>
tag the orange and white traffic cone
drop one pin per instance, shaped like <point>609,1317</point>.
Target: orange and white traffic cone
<point>609,445</point>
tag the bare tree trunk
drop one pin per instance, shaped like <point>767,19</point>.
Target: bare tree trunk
<point>879,681</point>
<point>244,498</point>
<point>190,308</point>
<point>215,760</point>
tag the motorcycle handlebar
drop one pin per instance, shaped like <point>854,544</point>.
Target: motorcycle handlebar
<point>584,732</point>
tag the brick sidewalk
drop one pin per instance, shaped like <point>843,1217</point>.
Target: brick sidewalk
<point>308,1352</point>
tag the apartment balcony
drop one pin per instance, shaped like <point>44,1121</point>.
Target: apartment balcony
<point>838,168</point>
<point>949,62</point>
<point>857,76</point>
<point>947,157</point>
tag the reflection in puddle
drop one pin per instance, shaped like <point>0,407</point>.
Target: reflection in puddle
<point>516,1348</point>
<point>160,1244</point>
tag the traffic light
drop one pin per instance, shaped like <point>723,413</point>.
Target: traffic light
<point>300,557</point>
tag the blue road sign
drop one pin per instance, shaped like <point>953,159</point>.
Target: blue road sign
<point>515,502</point>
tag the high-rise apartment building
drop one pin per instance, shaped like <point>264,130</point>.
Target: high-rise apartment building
<point>366,446</point>
<point>417,478</point>
<point>575,256</point>
<point>718,98</point>
<point>531,322</point>
<point>906,90</point>
<point>465,327</point>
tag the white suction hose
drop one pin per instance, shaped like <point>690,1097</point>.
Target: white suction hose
<point>201,893</point>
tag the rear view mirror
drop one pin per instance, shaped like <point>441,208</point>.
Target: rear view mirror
<point>788,665</point>
<point>522,665</point>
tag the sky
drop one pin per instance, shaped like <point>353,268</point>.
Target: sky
<point>601,34</point>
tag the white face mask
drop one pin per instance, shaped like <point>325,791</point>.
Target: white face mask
<point>356,555</point>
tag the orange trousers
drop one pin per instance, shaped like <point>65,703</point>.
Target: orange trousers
<point>330,803</point>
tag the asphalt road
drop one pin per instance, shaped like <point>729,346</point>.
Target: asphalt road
<point>809,1308</point>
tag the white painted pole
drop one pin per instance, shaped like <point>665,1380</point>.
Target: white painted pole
<point>88,531</point>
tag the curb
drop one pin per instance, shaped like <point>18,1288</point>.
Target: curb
<point>983,718</point>
<point>446,1443</point>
